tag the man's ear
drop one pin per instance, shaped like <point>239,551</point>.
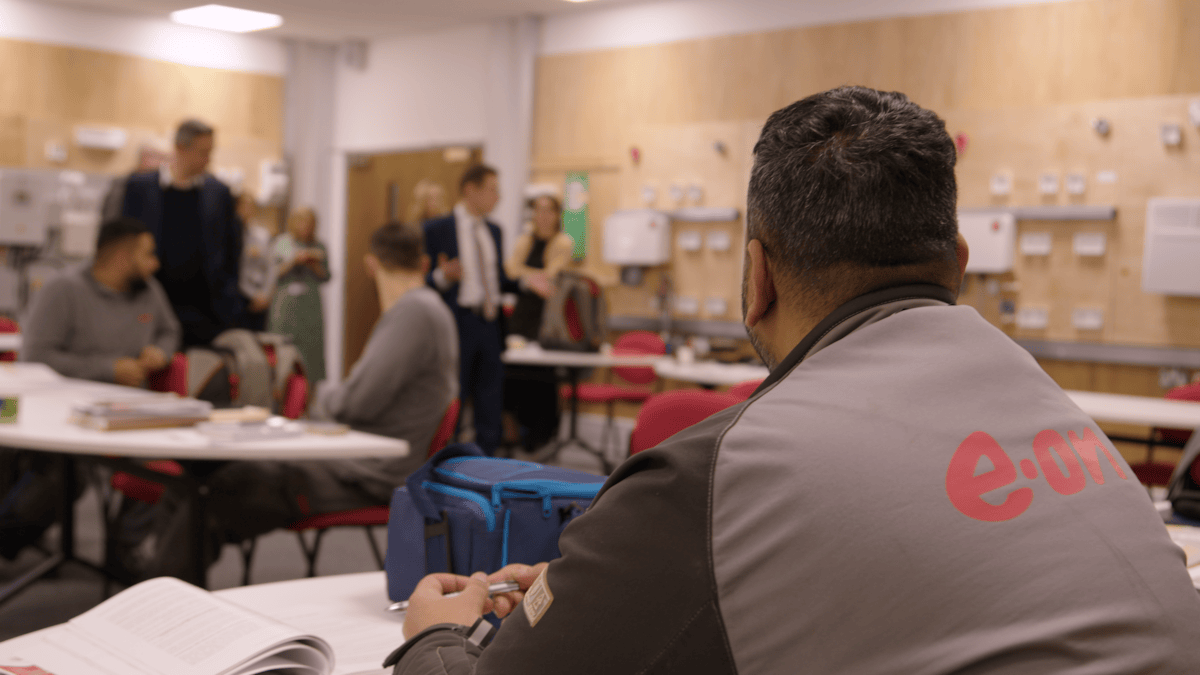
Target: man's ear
<point>760,284</point>
<point>424,264</point>
<point>964,253</point>
<point>371,263</point>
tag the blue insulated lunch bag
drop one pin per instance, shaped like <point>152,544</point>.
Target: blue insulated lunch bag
<point>464,512</point>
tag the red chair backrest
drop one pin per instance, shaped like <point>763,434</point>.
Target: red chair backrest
<point>1188,392</point>
<point>638,342</point>
<point>446,429</point>
<point>7,325</point>
<point>742,390</point>
<point>172,378</point>
<point>295,396</point>
<point>666,414</point>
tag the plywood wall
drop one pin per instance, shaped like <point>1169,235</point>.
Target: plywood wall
<point>48,90</point>
<point>1022,82</point>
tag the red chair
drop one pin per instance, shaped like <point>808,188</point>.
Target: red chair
<point>743,390</point>
<point>369,516</point>
<point>7,325</point>
<point>668,413</point>
<point>633,342</point>
<point>1159,473</point>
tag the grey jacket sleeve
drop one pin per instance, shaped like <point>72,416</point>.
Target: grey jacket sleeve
<point>397,348</point>
<point>47,334</point>
<point>634,590</point>
<point>167,331</point>
<point>440,653</point>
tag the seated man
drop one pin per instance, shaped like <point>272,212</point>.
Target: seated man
<point>109,321</point>
<point>907,492</point>
<point>400,387</point>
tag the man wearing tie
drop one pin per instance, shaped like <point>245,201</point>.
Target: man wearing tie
<point>470,277</point>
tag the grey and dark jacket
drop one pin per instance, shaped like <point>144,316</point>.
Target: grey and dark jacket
<point>908,492</point>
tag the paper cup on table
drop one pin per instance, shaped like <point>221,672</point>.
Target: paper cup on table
<point>8,408</point>
<point>685,356</point>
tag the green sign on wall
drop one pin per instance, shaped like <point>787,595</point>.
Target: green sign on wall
<point>575,211</point>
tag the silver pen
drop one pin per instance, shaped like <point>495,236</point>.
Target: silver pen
<point>501,587</point>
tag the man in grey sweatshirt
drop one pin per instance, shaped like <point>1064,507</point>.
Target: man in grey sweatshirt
<point>400,387</point>
<point>108,321</point>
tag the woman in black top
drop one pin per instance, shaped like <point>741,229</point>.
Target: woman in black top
<point>530,392</point>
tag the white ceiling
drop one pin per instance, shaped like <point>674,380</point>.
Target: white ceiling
<point>335,20</point>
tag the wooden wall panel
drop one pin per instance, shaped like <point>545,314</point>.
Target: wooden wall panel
<point>48,90</point>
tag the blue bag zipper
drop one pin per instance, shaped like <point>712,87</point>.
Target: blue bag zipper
<point>547,490</point>
<point>472,498</point>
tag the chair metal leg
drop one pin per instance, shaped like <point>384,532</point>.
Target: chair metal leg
<point>247,549</point>
<point>311,552</point>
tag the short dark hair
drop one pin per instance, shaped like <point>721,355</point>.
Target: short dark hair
<point>475,175</point>
<point>117,231</point>
<point>853,175</point>
<point>398,246</point>
<point>189,131</point>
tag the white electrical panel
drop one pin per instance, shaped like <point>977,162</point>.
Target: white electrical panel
<point>637,237</point>
<point>25,198</point>
<point>1172,247</point>
<point>991,237</point>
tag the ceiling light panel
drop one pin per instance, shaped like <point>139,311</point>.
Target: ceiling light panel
<point>233,19</point>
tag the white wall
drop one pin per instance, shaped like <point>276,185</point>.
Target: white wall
<point>150,38</point>
<point>417,91</point>
<point>674,20</point>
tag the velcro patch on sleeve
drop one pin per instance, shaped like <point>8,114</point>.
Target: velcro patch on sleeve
<point>538,598</point>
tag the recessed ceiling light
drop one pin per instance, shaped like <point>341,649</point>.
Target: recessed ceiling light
<point>221,17</point>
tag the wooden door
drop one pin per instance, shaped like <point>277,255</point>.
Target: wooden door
<point>379,188</point>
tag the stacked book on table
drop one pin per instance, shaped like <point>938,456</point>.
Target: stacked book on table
<point>147,412</point>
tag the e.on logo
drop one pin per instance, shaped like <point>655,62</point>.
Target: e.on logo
<point>966,489</point>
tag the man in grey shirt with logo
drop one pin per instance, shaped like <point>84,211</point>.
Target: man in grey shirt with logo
<point>110,320</point>
<point>907,492</point>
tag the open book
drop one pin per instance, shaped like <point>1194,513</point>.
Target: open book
<point>166,626</point>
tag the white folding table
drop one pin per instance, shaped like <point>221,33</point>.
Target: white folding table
<point>45,402</point>
<point>574,363</point>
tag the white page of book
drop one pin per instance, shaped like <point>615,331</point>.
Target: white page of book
<point>168,626</point>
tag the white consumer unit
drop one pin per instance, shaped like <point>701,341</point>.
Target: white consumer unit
<point>25,198</point>
<point>991,237</point>
<point>1171,257</point>
<point>637,237</point>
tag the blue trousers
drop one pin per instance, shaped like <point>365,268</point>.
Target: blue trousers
<point>481,375</point>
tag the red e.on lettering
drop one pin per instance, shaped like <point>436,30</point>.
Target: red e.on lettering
<point>966,490</point>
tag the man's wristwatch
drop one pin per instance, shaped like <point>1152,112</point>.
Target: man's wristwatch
<point>479,634</point>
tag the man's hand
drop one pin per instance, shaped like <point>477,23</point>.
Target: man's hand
<point>152,358</point>
<point>427,606</point>
<point>129,372</point>
<point>539,283</point>
<point>524,575</point>
<point>451,268</point>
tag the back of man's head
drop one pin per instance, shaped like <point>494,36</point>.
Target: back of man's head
<point>857,178</point>
<point>189,131</point>
<point>116,233</point>
<point>399,247</point>
<point>475,175</point>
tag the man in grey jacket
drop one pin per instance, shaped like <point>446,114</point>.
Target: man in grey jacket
<point>400,387</point>
<point>907,492</point>
<point>108,321</point>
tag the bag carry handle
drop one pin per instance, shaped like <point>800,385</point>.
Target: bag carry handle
<point>417,491</point>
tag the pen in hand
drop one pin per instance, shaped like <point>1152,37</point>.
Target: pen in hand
<point>502,587</point>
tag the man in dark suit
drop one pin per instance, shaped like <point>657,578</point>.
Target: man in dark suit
<point>470,278</point>
<point>194,222</point>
